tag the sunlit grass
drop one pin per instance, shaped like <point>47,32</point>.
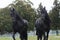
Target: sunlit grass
<point>31,38</point>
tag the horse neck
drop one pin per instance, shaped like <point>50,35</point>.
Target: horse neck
<point>17,16</point>
<point>20,19</point>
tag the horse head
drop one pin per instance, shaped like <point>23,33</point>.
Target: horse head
<point>43,13</point>
<point>13,13</point>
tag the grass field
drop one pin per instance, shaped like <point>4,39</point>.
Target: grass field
<point>31,38</point>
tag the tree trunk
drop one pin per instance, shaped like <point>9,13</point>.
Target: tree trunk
<point>57,33</point>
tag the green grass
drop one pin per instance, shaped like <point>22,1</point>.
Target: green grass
<point>32,38</point>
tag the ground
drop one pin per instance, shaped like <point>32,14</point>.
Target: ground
<point>31,38</point>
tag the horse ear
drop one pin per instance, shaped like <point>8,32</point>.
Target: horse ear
<point>44,7</point>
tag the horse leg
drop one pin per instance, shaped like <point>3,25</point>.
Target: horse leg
<point>25,36</point>
<point>37,37</point>
<point>21,36</point>
<point>37,34</point>
<point>40,36</point>
<point>14,35</point>
<point>46,35</point>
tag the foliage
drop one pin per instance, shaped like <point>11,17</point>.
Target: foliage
<point>23,8</point>
<point>54,14</point>
<point>39,8</point>
<point>5,20</point>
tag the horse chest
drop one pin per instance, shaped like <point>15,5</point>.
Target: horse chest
<point>20,23</point>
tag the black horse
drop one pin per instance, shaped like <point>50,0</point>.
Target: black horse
<point>42,25</point>
<point>19,25</point>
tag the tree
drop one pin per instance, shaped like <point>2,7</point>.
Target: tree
<point>25,11</point>
<point>5,21</point>
<point>54,14</point>
<point>39,8</point>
